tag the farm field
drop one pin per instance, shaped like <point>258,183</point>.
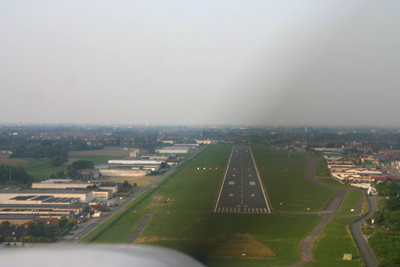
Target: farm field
<point>186,222</point>
<point>103,152</point>
<point>283,177</point>
<point>6,160</point>
<point>41,168</point>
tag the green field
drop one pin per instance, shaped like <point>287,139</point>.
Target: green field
<point>321,168</point>
<point>188,224</point>
<point>335,241</point>
<point>350,202</point>
<point>41,168</point>
<point>216,238</point>
<point>283,177</point>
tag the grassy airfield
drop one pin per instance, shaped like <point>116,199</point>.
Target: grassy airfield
<point>283,177</point>
<point>182,216</point>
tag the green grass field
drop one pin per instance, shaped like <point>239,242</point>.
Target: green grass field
<point>283,177</point>
<point>216,238</point>
<point>320,167</point>
<point>188,224</point>
<point>335,241</point>
<point>41,168</point>
<point>350,202</point>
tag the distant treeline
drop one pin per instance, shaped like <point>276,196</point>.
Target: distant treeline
<point>46,149</point>
<point>14,175</point>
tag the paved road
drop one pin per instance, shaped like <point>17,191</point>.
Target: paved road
<point>241,190</point>
<point>85,228</point>
<point>327,214</point>
<point>362,243</point>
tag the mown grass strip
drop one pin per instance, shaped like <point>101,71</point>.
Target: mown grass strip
<point>282,174</point>
<point>349,204</point>
<point>334,241</point>
<point>106,231</point>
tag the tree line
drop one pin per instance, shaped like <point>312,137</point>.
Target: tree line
<point>14,175</point>
<point>384,225</point>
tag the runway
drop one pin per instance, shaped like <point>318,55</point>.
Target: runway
<point>241,190</point>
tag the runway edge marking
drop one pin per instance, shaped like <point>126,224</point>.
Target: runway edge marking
<point>223,182</point>
<point>259,179</point>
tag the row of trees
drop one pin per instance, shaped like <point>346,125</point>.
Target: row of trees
<point>78,165</point>
<point>14,175</point>
<point>46,149</point>
<point>385,225</point>
<point>389,214</point>
<point>35,231</point>
<point>57,152</point>
<point>388,189</point>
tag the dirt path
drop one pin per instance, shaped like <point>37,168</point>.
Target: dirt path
<point>135,233</point>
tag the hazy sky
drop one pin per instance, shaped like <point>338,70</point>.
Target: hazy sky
<point>200,62</point>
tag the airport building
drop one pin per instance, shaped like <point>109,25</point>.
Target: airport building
<point>118,172</point>
<point>173,150</point>
<point>129,167</point>
<point>57,184</point>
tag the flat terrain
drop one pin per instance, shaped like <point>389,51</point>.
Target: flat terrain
<point>42,169</point>
<point>349,205</point>
<point>103,152</point>
<point>179,214</point>
<point>334,241</point>
<point>241,190</point>
<point>287,189</point>
<point>6,160</point>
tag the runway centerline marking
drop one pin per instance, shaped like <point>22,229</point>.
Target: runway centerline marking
<point>243,190</point>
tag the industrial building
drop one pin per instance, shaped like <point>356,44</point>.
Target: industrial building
<point>129,167</point>
<point>134,162</point>
<point>173,150</point>
<point>177,149</point>
<point>204,142</point>
<point>116,172</point>
<point>192,146</point>
<point>84,195</point>
<point>57,184</point>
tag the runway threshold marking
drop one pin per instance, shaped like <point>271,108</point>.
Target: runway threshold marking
<point>259,179</point>
<point>242,208</point>
<point>226,171</point>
